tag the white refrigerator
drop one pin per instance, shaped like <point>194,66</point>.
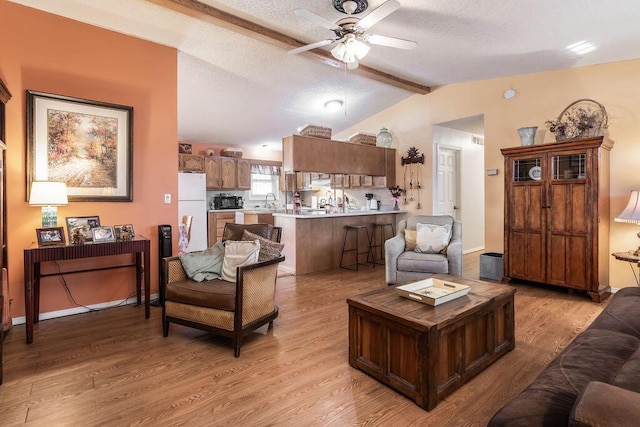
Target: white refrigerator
<point>192,200</point>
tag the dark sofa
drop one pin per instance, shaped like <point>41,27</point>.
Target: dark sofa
<point>594,381</point>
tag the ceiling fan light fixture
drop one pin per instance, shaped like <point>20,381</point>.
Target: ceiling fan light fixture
<point>350,50</point>
<point>333,105</point>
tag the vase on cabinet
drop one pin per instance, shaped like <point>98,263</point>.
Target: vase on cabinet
<point>527,135</point>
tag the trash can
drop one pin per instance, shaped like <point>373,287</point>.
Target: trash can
<point>492,266</point>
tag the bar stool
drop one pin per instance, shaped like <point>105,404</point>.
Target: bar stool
<point>355,230</point>
<point>380,230</point>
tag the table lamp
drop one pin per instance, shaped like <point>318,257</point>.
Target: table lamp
<point>49,195</point>
<point>631,213</point>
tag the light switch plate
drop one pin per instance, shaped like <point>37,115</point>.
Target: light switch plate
<point>167,198</point>
<point>491,172</point>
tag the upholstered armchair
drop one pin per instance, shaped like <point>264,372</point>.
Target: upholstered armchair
<point>413,254</point>
<point>229,308</point>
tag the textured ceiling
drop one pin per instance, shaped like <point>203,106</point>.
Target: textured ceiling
<point>237,90</point>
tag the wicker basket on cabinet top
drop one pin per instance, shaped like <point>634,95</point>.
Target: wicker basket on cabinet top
<point>316,131</point>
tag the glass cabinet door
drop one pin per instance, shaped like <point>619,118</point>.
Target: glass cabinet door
<point>569,166</point>
<point>525,170</point>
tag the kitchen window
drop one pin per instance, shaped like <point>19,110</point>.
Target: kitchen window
<point>264,180</point>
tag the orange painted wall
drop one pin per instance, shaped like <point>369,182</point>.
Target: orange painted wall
<point>48,53</point>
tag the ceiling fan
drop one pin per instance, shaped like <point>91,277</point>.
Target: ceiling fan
<point>351,33</point>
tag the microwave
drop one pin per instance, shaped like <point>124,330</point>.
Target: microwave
<point>227,202</point>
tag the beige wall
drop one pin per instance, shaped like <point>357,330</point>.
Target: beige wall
<point>540,97</point>
<point>47,53</point>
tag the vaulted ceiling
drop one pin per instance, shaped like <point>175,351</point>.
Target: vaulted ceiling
<point>239,87</point>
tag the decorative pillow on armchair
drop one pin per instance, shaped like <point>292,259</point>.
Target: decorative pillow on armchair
<point>237,254</point>
<point>203,265</point>
<point>410,237</point>
<point>432,238</point>
<point>268,248</point>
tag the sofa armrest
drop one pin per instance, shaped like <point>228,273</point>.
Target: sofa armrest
<point>392,249</point>
<point>601,404</point>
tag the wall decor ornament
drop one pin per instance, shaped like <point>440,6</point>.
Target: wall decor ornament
<point>86,144</point>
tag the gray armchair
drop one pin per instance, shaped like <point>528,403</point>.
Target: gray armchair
<point>406,266</point>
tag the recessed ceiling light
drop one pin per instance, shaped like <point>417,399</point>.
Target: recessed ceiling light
<point>581,47</point>
<point>333,105</point>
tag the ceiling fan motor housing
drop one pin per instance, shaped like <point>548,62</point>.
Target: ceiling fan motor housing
<point>350,7</point>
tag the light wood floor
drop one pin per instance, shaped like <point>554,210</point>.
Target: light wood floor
<point>114,368</point>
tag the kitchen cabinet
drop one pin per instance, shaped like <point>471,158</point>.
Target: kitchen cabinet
<point>213,172</point>
<point>257,218</point>
<point>355,181</point>
<point>190,163</point>
<point>556,225</point>
<point>243,168</point>
<point>380,182</point>
<point>215,225</point>
<point>308,154</point>
<point>222,173</point>
<point>228,173</point>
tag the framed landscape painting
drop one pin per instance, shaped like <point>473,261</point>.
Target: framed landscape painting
<point>85,144</point>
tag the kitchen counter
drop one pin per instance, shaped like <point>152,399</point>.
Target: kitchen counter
<point>351,213</point>
<point>313,243</point>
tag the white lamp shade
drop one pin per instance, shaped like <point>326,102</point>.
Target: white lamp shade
<point>632,212</point>
<point>48,193</point>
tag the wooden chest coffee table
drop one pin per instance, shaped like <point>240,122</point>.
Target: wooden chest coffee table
<point>428,352</point>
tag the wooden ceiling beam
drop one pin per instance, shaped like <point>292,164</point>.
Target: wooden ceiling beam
<point>210,14</point>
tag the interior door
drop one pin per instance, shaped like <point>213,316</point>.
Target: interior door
<point>447,173</point>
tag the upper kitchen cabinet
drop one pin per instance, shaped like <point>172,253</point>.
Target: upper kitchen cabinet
<point>222,173</point>
<point>308,154</point>
<point>243,167</point>
<point>303,153</point>
<point>213,172</point>
<point>190,163</point>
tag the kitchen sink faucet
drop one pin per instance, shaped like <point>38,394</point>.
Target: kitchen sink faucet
<point>266,199</point>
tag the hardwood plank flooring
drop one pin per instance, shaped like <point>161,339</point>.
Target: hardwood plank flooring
<point>114,368</point>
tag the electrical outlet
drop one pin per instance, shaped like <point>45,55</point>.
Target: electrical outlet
<point>167,198</point>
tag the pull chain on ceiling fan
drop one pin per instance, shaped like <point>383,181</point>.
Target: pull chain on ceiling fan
<point>350,32</point>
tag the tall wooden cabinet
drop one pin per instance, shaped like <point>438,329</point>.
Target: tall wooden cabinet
<point>556,215</point>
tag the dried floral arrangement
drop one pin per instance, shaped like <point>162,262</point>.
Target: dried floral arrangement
<point>581,119</point>
<point>396,192</point>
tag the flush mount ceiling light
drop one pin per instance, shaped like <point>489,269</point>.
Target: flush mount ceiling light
<point>333,105</point>
<point>581,47</point>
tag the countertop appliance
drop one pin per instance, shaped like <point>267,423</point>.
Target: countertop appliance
<point>192,200</point>
<point>227,201</point>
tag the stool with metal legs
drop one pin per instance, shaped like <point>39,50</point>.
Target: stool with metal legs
<point>380,231</point>
<point>355,231</point>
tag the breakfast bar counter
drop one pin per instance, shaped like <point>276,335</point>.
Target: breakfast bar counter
<point>313,242</point>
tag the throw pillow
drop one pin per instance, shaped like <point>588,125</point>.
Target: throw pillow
<point>237,254</point>
<point>203,265</point>
<point>409,240</point>
<point>268,248</point>
<point>432,238</point>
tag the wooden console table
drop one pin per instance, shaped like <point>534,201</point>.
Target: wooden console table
<point>35,255</point>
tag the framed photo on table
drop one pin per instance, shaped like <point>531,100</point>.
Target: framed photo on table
<point>79,228</point>
<point>86,144</point>
<point>50,236</point>
<point>124,232</point>
<point>103,234</point>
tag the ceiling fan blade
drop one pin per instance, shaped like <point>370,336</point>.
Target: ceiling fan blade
<point>311,46</point>
<point>316,19</point>
<point>379,13</point>
<point>390,41</point>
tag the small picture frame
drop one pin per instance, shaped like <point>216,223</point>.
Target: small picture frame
<point>184,148</point>
<point>79,228</point>
<point>103,234</point>
<point>50,236</point>
<point>124,232</point>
